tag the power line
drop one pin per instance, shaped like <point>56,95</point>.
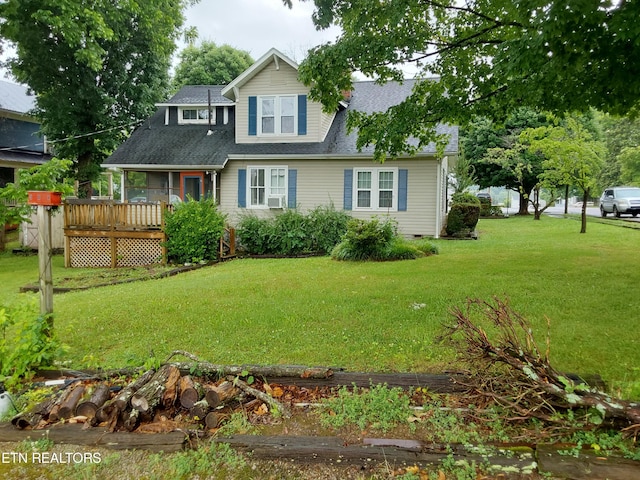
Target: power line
<point>82,135</point>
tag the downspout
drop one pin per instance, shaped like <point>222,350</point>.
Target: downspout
<point>439,200</point>
<point>214,180</point>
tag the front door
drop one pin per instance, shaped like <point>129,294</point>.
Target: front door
<point>191,185</point>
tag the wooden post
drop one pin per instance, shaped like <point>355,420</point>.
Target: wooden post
<point>44,261</point>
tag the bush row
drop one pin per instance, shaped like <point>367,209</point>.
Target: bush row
<point>292,232</point>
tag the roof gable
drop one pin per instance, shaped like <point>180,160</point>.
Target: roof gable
<point>273,55</point>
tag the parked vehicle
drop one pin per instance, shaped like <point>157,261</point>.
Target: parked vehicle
<point>619,200</point>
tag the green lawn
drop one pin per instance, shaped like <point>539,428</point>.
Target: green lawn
<point>367,316</point>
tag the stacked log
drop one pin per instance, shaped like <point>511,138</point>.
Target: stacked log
<point>155,396</point>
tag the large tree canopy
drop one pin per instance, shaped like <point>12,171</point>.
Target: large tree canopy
<point>490,57</point>
<point>97,67</point>
<point>210,64</point>
<point>498,156</point>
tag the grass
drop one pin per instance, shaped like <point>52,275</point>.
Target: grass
<point>369,316</point>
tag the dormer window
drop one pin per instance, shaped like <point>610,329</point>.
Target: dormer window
<point>277,115</point>
<point>196,115</point>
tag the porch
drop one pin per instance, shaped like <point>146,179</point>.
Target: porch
<point>104,233</point>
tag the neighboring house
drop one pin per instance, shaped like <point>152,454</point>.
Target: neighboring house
<point>261,145</point>
<point>21,145</point>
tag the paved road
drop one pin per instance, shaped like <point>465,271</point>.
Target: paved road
<point>591,211</point>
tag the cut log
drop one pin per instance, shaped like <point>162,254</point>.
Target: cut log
<point>95,400</point>
<point>33,416</point>
<point>213,419</point>
<point>190,392</point>
<point>122,399</point>
<point>68,407</point>
<point>171,387</point>
<point>200,409</point>
<point>150,395</point>
<point>132,420</point>
<point>54,412</point>
<point>220,394</point>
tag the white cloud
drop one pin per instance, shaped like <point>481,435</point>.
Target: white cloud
<point>258,25</point>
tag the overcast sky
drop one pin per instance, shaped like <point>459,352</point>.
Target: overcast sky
<point>258,25</point>
<point>255,26</point>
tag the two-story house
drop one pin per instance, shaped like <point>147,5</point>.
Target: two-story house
<point>261,145</point>
<point>21,145</point>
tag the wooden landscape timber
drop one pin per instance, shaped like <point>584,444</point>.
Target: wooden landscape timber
<point>157,420</point>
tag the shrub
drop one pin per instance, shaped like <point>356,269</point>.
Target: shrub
<point>194,230</point>
<point>365,240</point>
<point>464,215</point>
<point>376,240</point>
<point>292,233</point>
<point>326,226</point>
<point>26,343</point>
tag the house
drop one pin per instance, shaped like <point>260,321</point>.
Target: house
<point>261,145</point>
<point>21,145</point>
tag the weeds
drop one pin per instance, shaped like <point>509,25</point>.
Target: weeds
<point>379,407</point>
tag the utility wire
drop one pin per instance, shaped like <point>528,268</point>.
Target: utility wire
<point>82,135</point>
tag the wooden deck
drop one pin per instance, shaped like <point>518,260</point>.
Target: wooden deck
<point>104,233</point>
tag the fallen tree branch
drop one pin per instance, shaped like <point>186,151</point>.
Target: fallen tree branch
<point>268,399</point>
<point>529,385</point>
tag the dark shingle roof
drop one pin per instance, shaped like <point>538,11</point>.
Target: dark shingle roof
<point>198,95</point>
<point>157,144</point>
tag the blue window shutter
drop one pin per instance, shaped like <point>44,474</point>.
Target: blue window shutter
<point>253,115</point>
<point>242,188</point>
<point>302,114</point>
<point>348,189</point>
<point>292,188</point>
<point>403,176</point>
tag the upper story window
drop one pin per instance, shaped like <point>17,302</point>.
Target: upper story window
<point>278,115</point>
<point>375,189</point>
<point>196,115</point>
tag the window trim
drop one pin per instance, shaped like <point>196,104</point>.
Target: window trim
<point>277,115</point>
<point>267,186</point>
<point>375,189</point>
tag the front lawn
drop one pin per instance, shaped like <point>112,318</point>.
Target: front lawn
<point>371,316</point>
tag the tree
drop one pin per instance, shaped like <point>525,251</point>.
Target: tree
<point>629,160</point>
<point>209,64</point>
<point>489,57</point>
<point>620,135</point>
<point>498,157</point>
<point>97,68</point>
<point>572,157</point>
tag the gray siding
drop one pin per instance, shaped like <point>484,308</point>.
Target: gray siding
<point>321,182</point>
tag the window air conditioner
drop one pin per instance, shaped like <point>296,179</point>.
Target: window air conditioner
<point>275,201</point>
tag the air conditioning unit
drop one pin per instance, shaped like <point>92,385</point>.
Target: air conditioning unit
<point>275,201</point>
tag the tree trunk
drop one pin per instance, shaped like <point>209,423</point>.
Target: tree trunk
<point>122,399</point>
<point>150,395</point>
<point>219,395</point>
<point>200,409</point>
<point>190,392</point>
<point>96,399</point>
<point>171,392</point>
<point>68,407</point>
<point>523,208</point>
<point>566,199</point>
<point>585,197</point>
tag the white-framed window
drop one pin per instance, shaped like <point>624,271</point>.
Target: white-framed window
<point>196,115</point>
<point>278,115</point>
<point>375,189</point>
<point>264,183</point>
